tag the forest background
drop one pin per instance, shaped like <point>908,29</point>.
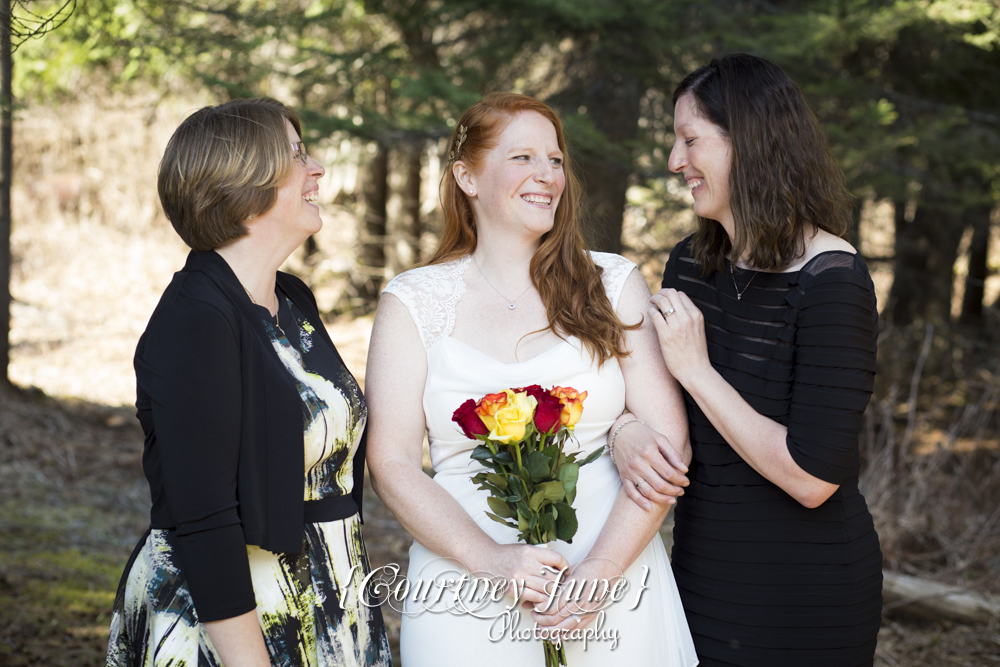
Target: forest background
<point>908,91</point>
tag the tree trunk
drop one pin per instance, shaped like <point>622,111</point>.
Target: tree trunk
<point>926,249</point>
<point>404,224</point>
<point>371,228</point>
<point>6,171</point>
<point>613,107</point>
<point>929,599</point>
<point>908,264</point>
<point>854,233</point>
<point>943,227</point>
<point>975,281</point>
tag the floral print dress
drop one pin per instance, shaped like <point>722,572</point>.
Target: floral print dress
<point>307,603</point>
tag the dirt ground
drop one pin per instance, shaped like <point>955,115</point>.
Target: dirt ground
<point>73,502</point>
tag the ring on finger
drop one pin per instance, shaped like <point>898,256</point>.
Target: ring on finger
<point>576,618</point>
<point>638,484</point>
<point>668,312</point>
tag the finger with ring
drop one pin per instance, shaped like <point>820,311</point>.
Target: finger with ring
<point>668,312</point>
<point>638,484</point>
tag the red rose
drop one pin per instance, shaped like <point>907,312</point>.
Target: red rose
<point>548,413</point>
<point>470,422</point>
<point>534,391</point>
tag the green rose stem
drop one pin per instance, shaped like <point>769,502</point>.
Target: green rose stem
<point>536,496</point>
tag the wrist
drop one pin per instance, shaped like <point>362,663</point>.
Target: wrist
<point>696,376</point>
<point>480,555</point>
<point>620,423</point>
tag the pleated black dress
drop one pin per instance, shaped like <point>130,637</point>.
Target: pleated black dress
<point>764,580</point>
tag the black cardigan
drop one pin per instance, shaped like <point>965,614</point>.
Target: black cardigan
<point>224,451</point>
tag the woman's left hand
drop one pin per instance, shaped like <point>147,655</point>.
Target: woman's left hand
<point>652,471</point>
<point>563,613</point>
<point>680,327</point>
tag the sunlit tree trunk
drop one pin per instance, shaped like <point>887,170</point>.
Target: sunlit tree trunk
<point>371,228</point>
<point>6,124</point>
<point>404,227</point>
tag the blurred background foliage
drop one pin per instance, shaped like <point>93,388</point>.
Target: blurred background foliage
<point>906,88</point>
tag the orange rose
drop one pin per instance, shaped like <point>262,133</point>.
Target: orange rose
<point>572,401</point>
<point>488,406</point>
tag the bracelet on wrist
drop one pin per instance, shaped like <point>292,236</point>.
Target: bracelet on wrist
<point>611,441</point>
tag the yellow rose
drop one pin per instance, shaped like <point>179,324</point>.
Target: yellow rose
<point>488,406</point>
<point>572,401</point>
<point>513,417</point>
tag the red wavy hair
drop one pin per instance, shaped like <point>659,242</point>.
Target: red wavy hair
<point>562,271</point>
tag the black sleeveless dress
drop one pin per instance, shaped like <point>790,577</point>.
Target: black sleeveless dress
<point>764,580</point>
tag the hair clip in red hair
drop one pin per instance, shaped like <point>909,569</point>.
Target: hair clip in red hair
<point>460,139</point>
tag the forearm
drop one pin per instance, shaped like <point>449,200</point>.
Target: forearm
<point>239,641</point>
<point>429,513</point>
<point>759,440</point>
<point>627,531</point>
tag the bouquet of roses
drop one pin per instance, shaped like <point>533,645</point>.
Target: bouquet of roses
<point>533,480</point>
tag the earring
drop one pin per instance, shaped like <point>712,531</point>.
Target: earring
<point>250,217</point>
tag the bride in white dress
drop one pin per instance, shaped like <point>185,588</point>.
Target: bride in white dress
<point>511,299</point>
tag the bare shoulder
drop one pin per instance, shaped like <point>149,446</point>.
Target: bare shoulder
<point>634,299</point>
<point>825,242</point>
<point>819,243</point>
<point>392,314</point>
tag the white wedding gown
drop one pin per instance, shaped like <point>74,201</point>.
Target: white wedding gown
<point>654,631</point>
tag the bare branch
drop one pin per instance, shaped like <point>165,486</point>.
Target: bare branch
<point>26,24</point>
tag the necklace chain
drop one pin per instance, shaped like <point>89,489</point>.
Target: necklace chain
<point>277,308</point>
<point>510,304</point>
<point>739,294</point>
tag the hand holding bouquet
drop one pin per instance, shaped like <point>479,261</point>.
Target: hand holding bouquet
<point>533,480</point>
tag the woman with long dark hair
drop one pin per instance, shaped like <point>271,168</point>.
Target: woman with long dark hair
<point>511,299</point>
<point>769,324</point>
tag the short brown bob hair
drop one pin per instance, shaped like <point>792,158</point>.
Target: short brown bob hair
<point>783,178</point>
<point>222,165</point>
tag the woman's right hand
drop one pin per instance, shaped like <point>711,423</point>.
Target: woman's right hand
<point>651,469</point>
<point>534,569</point>
<point>239,641</point>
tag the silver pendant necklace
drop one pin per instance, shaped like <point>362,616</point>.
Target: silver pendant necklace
<point>739,294</point>
<point>510,304</point>
<point>277,307</point>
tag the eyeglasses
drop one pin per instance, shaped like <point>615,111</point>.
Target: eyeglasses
<point>300,152</point>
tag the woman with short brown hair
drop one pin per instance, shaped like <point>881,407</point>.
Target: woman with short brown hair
<point>254,427</point>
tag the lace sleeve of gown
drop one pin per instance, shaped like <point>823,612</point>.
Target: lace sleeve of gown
<point>430,294</point>
<point>836,329</point>
<point>616,271</point>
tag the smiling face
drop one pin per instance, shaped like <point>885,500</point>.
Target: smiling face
<point>295,205</point>
<point>703,154</point>
<point>518,184</point>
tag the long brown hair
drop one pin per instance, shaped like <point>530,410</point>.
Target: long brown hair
<point>783,177</point>
<point>562,271</point>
